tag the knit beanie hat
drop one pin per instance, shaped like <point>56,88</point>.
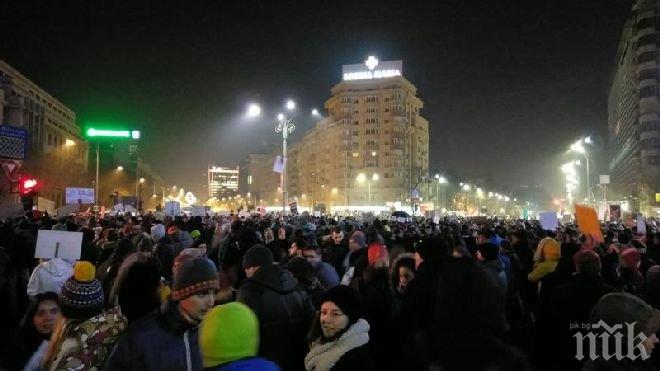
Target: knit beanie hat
<point>82,295</point>
<point>549,250</point>
<point>185,255</point>
<point>347,300</point>
<point>630,257</point>
<point>195,234</point>
<point>377,252</point>
<point>229,332</point>
<point>584,258</point>
<point>621,308</point>
<point>257,256</point>
<point>157,232</point>
<point>194,275</point>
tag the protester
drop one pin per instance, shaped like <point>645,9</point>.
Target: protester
<point>623,309</point>
<point>85,334</point>
<point>28,348</point>
<point>137,287</point>
<point>355,261</point>
<point>49,276</point>
<point>341,334</point>
<point>281,305</point>
<point>546,258</point>
<point>302,271</point>
<point>323,271</point>
<point>651,289</point>
<point>167,339</point>
<point>631,279</point>
<point>335,249</point>
<point>229,340</point>
<point>489,254</point>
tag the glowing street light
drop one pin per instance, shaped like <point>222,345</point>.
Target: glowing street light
<point>253,110</point>
<point>315,112</point>
<point>466,187</point>
<point>142,180</point>
<point>362,177</point>
<point>290,105</point>
<point>69,143</point>
<point>280,117</point>
<point>120,168</point>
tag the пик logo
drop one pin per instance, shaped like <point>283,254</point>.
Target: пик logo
<point>613,341</point>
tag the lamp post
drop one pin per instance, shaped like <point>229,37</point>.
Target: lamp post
<point>441,180</point>
<point>283,125</point>
<point>361,178</point>
<point>581,149</point>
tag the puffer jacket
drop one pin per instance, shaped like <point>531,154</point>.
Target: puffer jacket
<point>49,276</point>
<point>160,341</point>
<point>284,311</point>
<point>90,342</point>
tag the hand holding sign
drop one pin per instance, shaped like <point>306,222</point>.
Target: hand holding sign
<point>58,244</point>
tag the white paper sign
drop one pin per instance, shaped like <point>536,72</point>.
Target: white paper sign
<point>197,211</point>
<point>548,220</point>
<point>58,244</point>
<point>279,164</point>
<point>172,208</point>
<point>641,225</point>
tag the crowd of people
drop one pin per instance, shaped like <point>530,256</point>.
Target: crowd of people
<point>272,292</point>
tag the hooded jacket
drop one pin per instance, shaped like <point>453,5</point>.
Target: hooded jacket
<point>90,343</point>
<point>545,259</point>
<point>161,341</point>
<point>49,276</point>
<point>284,311</point>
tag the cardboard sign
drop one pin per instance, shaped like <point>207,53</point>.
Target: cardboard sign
<point>293,206</point>
<point>587,221</point>
<point>58,244</point>
<point>197,211</point>
<point>548,220</point>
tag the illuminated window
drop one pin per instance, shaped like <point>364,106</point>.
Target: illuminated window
<point>355,154</point>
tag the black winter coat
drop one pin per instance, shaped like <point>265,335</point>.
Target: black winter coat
<point>355,359</point>
<point>167,249</point>
<point>285,313</point>
<point>161,341</point>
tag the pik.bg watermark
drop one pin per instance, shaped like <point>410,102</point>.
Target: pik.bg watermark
<point>620,341</point>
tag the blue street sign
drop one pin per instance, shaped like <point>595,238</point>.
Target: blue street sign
<point>12,132</point>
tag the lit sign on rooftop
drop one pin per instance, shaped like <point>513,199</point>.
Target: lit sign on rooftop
<point>372,68</point>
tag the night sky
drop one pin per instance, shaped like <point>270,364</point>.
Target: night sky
<point>507,85</point>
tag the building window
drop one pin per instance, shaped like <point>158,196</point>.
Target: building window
<point>50,140</point>
<point>647,91</point>
<point>647,56</point>
<point>371,120</point>
<point>249,179</point>
<point>371,99</point>
<point>396,96</point>
<point>371,110</point>
<point>355,154</point>
<point>356,133</point>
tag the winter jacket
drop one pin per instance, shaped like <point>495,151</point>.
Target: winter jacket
<point>326,274</point>
<point>334,255</point>
<point>49,276</point>
<point>249,364</point>
<point>90,342</point>
<point>185,239</point>
<point>348,352</point>
<point>496,269</point>
<point>161,341</point>
<point>285,313</point>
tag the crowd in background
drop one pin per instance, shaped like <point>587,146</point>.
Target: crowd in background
<point>320,293</point>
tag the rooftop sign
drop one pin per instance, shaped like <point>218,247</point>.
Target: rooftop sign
<point>372,68</point>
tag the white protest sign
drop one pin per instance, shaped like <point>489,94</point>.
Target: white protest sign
<point>198,211</point>
<point>172,208</point>
<point>58,244</point>
<point>641,225</point>
<point>548,220</point>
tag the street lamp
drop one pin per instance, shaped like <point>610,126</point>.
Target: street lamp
<point>579,147</point>
<point>441,180</point>
<point>315,112</point>
<point>120,168</point>
<point>361,178</point>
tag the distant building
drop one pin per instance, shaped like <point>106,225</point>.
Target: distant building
<point>634,112</point>
<point>56,151</point>
<point>374,128</point>
<point>259,180</point>
<point>222,181</point>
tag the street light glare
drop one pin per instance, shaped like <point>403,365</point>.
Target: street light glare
<point>588,140</point>
<point>361,178</point>
<point>120,168</point>
<point>315,112</point>
<point>290,105</point>
<point>280,117</point>
<point>253,110</point>
<point>442,180</point>
<point>375,177</point>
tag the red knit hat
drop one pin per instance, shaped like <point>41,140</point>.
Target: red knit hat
<point>377,252</point>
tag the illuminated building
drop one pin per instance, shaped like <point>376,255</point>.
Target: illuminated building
<point>56,151</point>
<point>373,126</point>
<point>222,181</point>
<point>634,111</point>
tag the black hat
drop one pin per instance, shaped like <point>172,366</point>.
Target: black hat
<point>194,275</point>
<point>347,300</point>
<point>257,256</point>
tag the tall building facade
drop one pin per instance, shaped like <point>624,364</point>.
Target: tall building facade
<point>56,151</point>
<point>372,149</point>
<point>223,181</point>
<point>258,179</point>
<point>634,111</point>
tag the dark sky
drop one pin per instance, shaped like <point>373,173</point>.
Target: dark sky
<point>507,85</point>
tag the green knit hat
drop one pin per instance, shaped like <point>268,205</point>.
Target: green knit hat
<point>229,332</point>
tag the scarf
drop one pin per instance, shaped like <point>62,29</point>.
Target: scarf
<point>323,357</point>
